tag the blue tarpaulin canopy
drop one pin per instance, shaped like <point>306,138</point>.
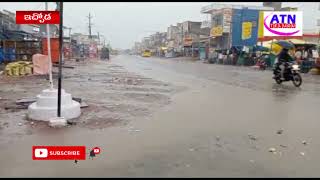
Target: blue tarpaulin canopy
<point>285,44</point>
<point>260,48</point>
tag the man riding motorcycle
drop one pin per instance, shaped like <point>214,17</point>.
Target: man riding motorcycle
<point>283,58</point>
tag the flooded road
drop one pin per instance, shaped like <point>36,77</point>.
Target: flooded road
<point>212,121</point>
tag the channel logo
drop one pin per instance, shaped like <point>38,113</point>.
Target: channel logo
<point>282,23</point>
<point>41,153</point>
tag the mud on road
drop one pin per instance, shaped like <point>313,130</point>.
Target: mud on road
<point>114,95</point>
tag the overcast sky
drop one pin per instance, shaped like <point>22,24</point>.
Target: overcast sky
<point>124,23</point>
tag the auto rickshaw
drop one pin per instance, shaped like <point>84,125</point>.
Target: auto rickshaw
<point>146,53</point>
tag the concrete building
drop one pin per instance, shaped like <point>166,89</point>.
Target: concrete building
<point>146,43</point>
<point>84,39</point>
<point>275,5</point>
<point>173,37</point>
<point>192,32</point>
<point>137,48</point>
<point>221,17</point>
<point>10,30</point>
<point>54,30</point>
<point>8,21</point>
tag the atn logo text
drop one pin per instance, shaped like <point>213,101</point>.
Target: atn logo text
<point>282,23</point>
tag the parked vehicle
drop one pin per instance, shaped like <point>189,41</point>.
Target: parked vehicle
<point>146,53</point>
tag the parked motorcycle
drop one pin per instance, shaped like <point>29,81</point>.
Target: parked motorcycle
<point>291,73</point>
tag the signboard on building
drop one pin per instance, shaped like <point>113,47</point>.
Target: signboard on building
<point>187,41</point>
<point>216,31</point>
<point>260,25</point>
<point>246,30</point>
<point>227,18</point>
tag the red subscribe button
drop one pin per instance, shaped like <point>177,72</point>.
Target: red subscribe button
<point>58,152</point>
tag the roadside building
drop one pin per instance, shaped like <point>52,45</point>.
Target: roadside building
<point>227,23</point>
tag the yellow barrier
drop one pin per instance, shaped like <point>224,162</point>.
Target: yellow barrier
<point>20,68</point>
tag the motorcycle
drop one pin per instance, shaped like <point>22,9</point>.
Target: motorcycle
<point>291,73</point>
<point>261,63</point>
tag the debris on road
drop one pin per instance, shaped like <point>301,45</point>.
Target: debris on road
<point>284,146</point>
<point>64,66</point>
<point>15,107</point>
<point>20,124</point>
<point>69,122</point>
<point>280,131</point>
<point>57,122</point>
<point>302,153</point>
<point>273,150</point>
<point>252,137</point>
<point>79,100</point>
<point>26,101</point>
<point>304,142</point>
<point>83,105</point>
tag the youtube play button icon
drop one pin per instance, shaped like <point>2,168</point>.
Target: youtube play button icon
<point>41,153</point>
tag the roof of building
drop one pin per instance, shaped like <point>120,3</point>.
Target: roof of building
<point>215,6</point>
<point>14,35</point>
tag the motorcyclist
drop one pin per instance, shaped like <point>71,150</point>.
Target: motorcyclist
<point>283,58</point>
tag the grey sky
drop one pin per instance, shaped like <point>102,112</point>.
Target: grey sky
<point>123,23</point>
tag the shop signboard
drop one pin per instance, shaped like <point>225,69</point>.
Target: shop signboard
<point>187,41</point>
<point>260,26</point>
<point>216,31</point>
<point>227,18</point>
<point>246,30</point>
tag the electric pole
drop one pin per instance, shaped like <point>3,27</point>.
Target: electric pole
<point>98,38</point>
<point>89,17</point>
<point>60,57</point>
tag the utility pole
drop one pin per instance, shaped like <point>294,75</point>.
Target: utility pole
<point>60,57</point>
<point>70,47</point>
<point>98,38</point>
<point>99,45</point>
<point>49,52</point>
<point>70,33</point>
<point>89,17</point>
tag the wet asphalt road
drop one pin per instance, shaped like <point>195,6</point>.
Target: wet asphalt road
<point>221,125</point>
